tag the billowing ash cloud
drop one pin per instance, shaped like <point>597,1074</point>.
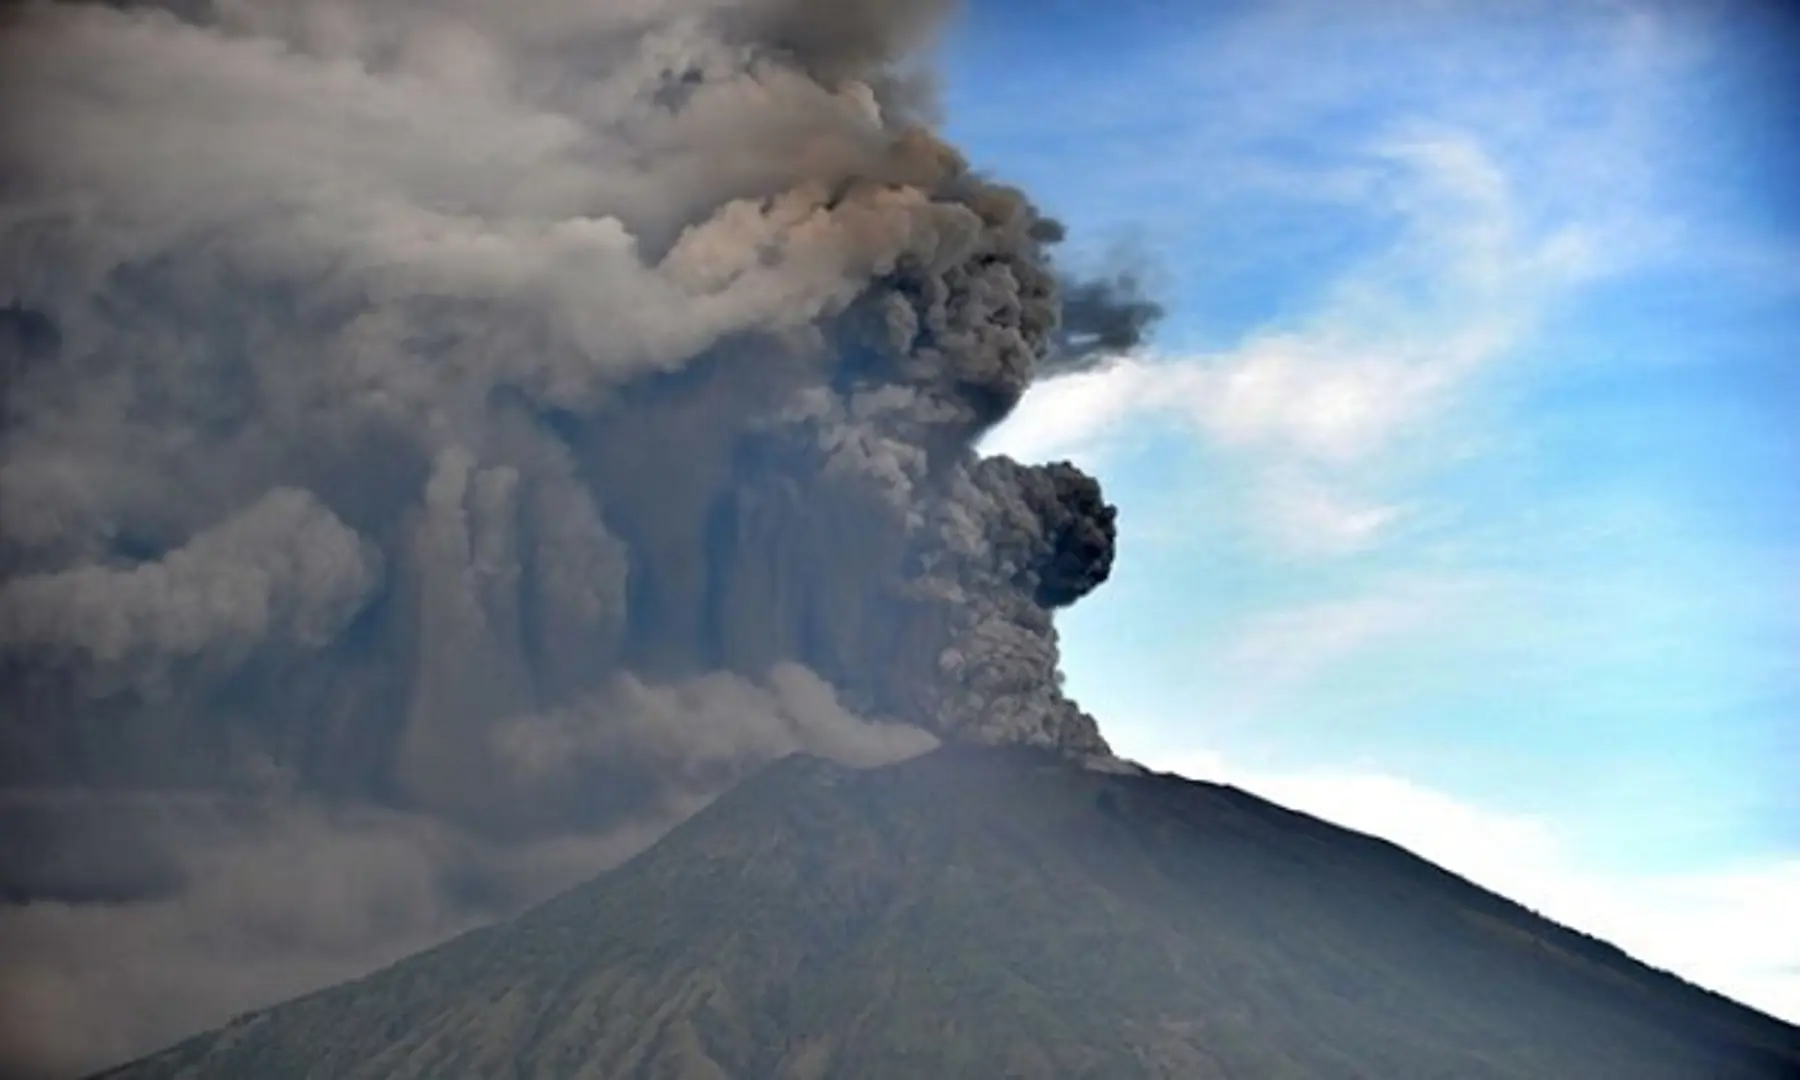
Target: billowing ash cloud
<point>448,441</point>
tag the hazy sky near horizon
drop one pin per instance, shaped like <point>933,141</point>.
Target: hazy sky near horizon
<point>1457,492</point>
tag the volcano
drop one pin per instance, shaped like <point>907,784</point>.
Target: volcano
<point>1006,913</point>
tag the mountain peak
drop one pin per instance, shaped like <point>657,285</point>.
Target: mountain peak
<point>1003,912</point>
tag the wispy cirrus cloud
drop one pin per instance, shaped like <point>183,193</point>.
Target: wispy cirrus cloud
<point>1285,646</point>
<point>1312,411</point>
<point>1398,232</point>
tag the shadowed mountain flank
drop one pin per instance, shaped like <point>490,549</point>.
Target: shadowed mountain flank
<point>984,913</point>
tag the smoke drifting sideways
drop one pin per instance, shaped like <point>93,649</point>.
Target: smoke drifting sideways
<point>447,442</point>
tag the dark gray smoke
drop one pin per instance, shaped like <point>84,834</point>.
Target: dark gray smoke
<point>1101,317</point>
<point>448,441</point>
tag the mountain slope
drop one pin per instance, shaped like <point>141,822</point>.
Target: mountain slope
<point>987,914</point>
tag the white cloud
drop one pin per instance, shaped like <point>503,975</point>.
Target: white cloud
<point>1280,656</point>
<point>1730,928</point>
<point>1072,414</point>
<point>1314,412</point>
<point>1312,518</point>
<point>1285,645</point>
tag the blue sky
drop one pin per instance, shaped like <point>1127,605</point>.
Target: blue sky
<point>1458,489</point>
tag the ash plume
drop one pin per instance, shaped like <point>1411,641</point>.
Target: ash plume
<point>1101,317</point>
<point>447,442</point>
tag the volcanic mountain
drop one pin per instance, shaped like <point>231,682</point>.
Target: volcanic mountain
<point>1002,913</point>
